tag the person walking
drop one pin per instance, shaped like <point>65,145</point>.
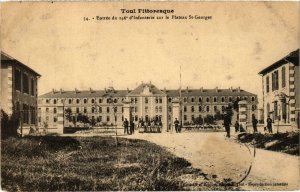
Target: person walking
<point>254,124</point>
<point>236,126</point>
<point>125,124</point>
<point>176,124</point>
<point>227,124</point>
<point>269,124</point>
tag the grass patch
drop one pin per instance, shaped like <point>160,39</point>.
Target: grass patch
<point>282,142</point>
<point>53,163</point>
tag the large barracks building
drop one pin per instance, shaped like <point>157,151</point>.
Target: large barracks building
<point>145,102</point>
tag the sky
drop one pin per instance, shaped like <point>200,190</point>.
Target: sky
<point>226,51</point>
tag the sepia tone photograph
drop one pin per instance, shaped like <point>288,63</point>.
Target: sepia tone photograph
<point>149,96</point>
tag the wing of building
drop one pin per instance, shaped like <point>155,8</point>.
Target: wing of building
<point>281,91</point>
<point>146,102</point>
<point>19,90</point>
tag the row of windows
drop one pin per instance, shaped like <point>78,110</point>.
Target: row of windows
<point>85,101</point>
<point>215,99</point>
<point>275,80</point>
<point>24,83</point>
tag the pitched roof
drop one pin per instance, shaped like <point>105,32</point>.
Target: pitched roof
<point>152,88</point>
<point>84,94</point>
<point>209,92</point>
<point>292,57</point>
<point>6,58</point>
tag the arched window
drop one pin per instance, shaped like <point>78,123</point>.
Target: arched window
<point>185,99</point>
<point>192,99</point>
<point>207,108</point>
<point>207,99</point>
<point>215,99</point>
<point>77,101</point>
<point>253,98</point>
<point>200,108</point>
<point>230,99</point>
<point>54,101</point>
<point>70,101</point>
<point>93,100</point>
<point>100,109</point>
<point>93,109</point>
<point>85,101</point>
<point>192,109</point>
<point>215,108</point>
<point>184,108</point>
<point>47,101</point>
<point>54,110</point>
<point>160,109</point>
<point>170,99</point>
<point>115,100</point>
<point>223,99</point>
<point>156,109</point>
<point>107,109</point>
<point>200,99</point>
<point>100,100</point>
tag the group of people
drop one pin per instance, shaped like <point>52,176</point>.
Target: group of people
<point>128,127</point>
<point>238,127</point>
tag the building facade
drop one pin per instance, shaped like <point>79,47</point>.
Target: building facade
<point>19,90</point>
<point>281,91</point>
<point>147,102</point>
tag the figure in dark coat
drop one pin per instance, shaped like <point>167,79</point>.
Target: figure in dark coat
<point>254,124</point>
<point>125,124</point>
<point>131,127</point>
<point>237,126</point>
<point>269,124</point>
<point>176,124</point>
<point>227,124</point>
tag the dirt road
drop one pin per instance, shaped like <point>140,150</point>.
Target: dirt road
<point>226,159</point>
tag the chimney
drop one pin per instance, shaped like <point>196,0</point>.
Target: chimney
<point>201,89</point>
<point>128,90</point>
<point>239,89</point>
<point>53,91</point>
<point>91,90</point>
<point>165,90</point>
<point>217,89</point>
<point>76,91</point>
<point>231,89</point>
<point>187,89</point>
<point>61,91</point>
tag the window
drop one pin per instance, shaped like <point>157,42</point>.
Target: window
<point>245,98</point>
<point>275,80</point>
<point>160,100</point>
<point>230,99</point>
<point>215,99</point>
<point>146,118</point>
<point>283,76</point>
<point>253,98</point>
<point>146,109</point>
<point>146,99</point>
<point>115,109</point>
<point>170,109</point>
<point>184,109</point>
<point>100,100</point>
<point>156,100</point>
<point>93,100</point>
<point>107,118</point>
<point>85,101</point>
<point>170,99</point>
<point>54,119</point>
<point>18,81</point>
<point>160,109</point>
<point>200,108</point>
<point>70,101</point>
<point>215,108</point>
<point>107,109</point>
<point>100,109</point>
<point>135,100</point>
<point>193,118</point>
<point>25,114</point>
<point>207,99</point>
<point>223,99</point>
<point>77,110</point>
<point>267,84</point>
<point>84,110</point>
<point>156,109</point>
<point>185,117</point>
<point>93,109</point>
<point>192,109</point>
<point>223,108</point>
<point>192,99</point>
<point>207,108</point>
<point>32,86</point>
<point>25,83</point>
<point>54,101</point>
<point>115,100</point>
<point>185,99</point>
<point>47,110</point>
<point>136,118</point>
<point>77,101</point>
<point>54,110</point>
<point>135,109</point>
<point>47,101</point>
<point>200,99</point>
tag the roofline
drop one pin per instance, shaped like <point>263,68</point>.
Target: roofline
<point>286,58</point>
<point>20,63</point>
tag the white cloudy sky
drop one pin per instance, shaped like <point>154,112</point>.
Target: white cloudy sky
<point>229,50</point>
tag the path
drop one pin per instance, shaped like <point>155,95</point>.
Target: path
<point>215,155</point>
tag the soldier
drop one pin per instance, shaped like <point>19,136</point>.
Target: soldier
<point>254,123</point>
<point>269,124</point>
<point>125,124</point>
<point>227,124</point>
<point>176,124</point>
<point>236,125</point>
<point>131,127</point>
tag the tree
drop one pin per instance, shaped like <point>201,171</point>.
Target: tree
<point>236,105</point>
<point>9,124</point>
<point>83,119</point>
<point>68,114</point>
<point>92,121</point>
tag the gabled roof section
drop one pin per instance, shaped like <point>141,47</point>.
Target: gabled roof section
<point>84,94</point>
<point>293,57</point>
<point>5,58</point>
<point>208,92</point>
<point>144,88</point>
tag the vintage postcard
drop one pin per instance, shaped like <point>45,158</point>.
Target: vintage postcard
<point>149,96</point>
